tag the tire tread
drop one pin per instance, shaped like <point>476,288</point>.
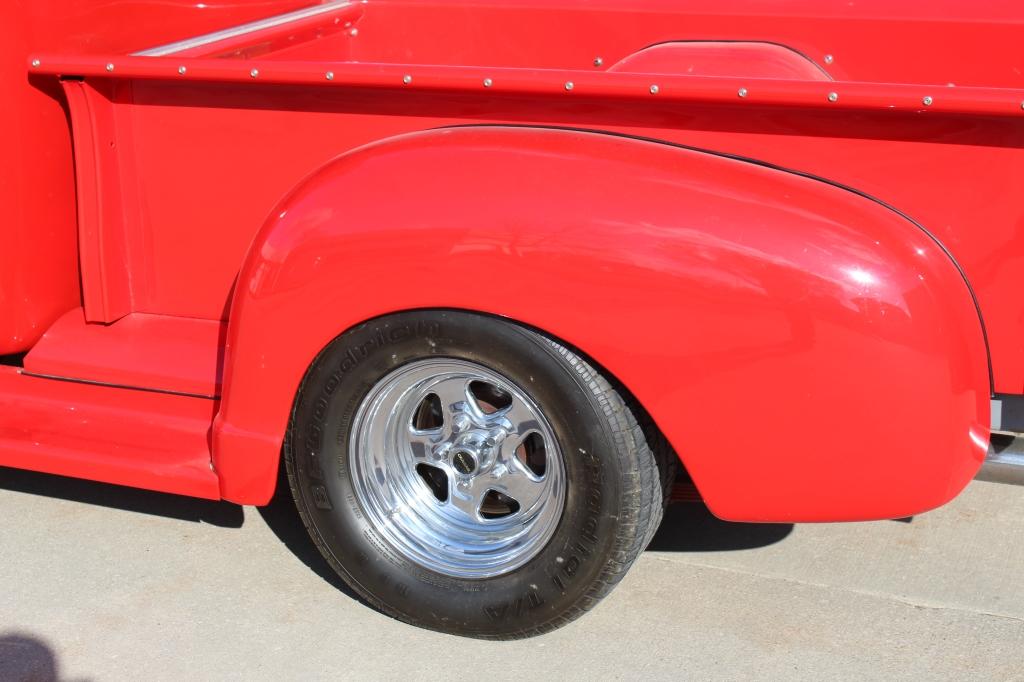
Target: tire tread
<point>643,495</point>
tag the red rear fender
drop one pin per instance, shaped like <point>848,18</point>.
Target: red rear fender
<point>810,354</point>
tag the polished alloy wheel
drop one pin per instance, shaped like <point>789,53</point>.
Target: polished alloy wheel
<point>467,474</point>
<point>457,468</point>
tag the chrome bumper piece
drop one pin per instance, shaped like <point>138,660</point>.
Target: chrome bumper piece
<point>1005,460</point>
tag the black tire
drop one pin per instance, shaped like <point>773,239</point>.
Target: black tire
<point>613,500</point>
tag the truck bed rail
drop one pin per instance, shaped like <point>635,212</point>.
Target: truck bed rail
<point>505,81</point>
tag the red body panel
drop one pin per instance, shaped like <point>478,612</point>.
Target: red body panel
<point>695,280</point>
<point>829,336</point>
<point>38,257</point>
<point>878,137</point>
<point>124,26</point>
<point>722,59</point>
<point>137,438</point>
<point>173,354</point>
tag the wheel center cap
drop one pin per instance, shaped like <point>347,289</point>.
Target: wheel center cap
<point>464,462</point>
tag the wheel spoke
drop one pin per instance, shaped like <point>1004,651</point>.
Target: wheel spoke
<point>508,455</point>
<point>451,392</point>
<point>457,402</point>
<point>421,443</point>
<point>521,419</point>
<point>468,497</point>
<point>518,483</point>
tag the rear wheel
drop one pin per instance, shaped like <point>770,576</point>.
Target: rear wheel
<point>468,475</point>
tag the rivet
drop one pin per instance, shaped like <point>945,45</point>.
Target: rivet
<point>1022,105</point>
<point>654,89</point>
<point>329,75</point>
<point>254,73</point>
<point>833,96</point>
<point>182,70</point>
<point>110,67</point>
<point>488,82</point>
<point>927,101</point>
<point>407,79</point>
<point>598,61</point>
<point>569,85</point>
<point>742,92</point>
<point>36,63</point>
<point>829,59</point>
<point>354,32</point>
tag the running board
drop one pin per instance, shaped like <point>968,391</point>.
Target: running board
<point>142,439</point>
<point>1005,460</point>
<point>153,352</point>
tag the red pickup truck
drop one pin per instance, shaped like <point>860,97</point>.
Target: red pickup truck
<point>478,281</point>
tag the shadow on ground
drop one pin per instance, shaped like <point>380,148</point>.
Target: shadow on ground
<point>223,514</point>
<point>687,527</point>
<point>690,527</point>
<point>26,658</point>
<point>282,518</point>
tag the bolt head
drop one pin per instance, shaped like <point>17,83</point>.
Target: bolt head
<point>110,67</point>
<point>742,92</point>
<point>927,101</point>
<point>488,82</point>
<point>36,63</point>
<point>569,85</point>
<point>833,96</point>
<point>598,61</point>
<point>182,70</point>
<point>329,75</point>
<point>655,89</point>
<point>254,73</point>
<point>407,79</point>
<point>829,59</point>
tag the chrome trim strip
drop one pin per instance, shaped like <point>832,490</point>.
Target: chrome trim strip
<point>126,387</point>
<point>234,32</point>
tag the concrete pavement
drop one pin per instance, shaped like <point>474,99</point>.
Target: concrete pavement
<point>105,583</point>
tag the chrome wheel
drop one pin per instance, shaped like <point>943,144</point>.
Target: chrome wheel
<point>457,468</point>
<point>469,475</point>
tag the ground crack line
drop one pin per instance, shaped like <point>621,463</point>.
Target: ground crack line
<point>851,590</point>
